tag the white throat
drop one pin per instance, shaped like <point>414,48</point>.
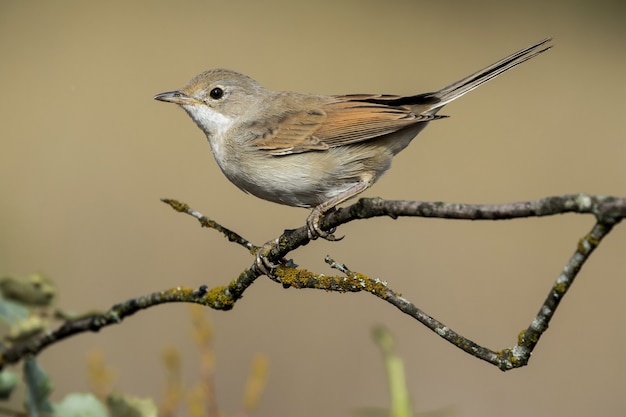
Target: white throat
<point>215,125</point>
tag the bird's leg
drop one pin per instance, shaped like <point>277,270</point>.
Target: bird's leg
<point>313,221</point>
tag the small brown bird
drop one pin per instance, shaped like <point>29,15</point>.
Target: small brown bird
<point>308,150</point>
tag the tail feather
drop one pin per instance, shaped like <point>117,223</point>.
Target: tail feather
<point>467,84</point>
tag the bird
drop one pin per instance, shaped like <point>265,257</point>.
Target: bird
<point>310,150</point>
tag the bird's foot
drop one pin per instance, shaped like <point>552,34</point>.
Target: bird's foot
<point>313,226</point>
<point>263,264</point>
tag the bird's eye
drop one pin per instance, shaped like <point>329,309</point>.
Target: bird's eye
<point>216,93</point>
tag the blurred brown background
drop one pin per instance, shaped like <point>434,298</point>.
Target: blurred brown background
<point>86,154</point>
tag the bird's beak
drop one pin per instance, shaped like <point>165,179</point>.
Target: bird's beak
<point>177,97</point>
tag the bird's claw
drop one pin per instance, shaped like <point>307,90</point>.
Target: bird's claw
<point>314,230</point>
<point>264,265</point>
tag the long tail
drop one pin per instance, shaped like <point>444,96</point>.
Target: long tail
<point>467,84</point>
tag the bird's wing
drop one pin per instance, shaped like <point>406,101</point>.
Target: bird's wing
<point>343,121</point>
<point>292,132</point>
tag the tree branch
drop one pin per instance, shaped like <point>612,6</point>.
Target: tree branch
<point>608,212</point>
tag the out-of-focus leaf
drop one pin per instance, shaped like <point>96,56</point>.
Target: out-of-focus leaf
<point>23,330</point>
<point>256,383</point>
<point>400,399</point>
<point>401,405</point>
<point>8,381</point>
<point>37,290</point>
<point>121,405</point>
<point>101,376</point>
<point>38,388</point>
<point>382,412</point>
<point>12,311</point>
<point>80,405</point>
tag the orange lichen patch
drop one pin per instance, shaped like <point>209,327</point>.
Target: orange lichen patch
<point>352,282</point>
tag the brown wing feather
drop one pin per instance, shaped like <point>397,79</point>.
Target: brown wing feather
<point>293,133</point>
<point>345,121</point>
<point>350,122</point>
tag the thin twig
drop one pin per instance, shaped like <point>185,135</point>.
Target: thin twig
<point>206,222</point>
